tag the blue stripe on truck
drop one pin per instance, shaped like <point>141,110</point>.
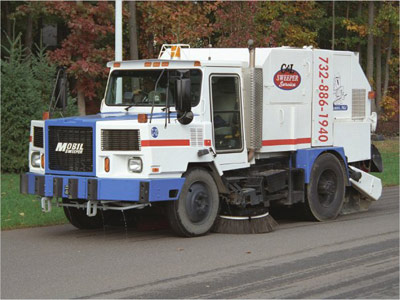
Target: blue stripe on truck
<point>114,188</point>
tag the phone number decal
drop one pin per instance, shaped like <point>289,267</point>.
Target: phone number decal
<point>323,95</point>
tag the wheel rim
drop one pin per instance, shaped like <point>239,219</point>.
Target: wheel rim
<point>198,202</point>
<point>327,187</point>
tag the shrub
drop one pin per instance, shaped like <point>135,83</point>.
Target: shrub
<point>21,102</point>
<point>27,83</point>
<point>390,109</point>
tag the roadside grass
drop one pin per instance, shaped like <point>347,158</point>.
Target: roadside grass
<point>389,150</point>
<point>18,211</point>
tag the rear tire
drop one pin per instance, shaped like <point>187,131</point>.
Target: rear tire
<point>326,189</point>
<point>194,213</point>
<point>81,220</point>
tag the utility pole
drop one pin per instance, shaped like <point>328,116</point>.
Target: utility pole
<point>118,44</point>
<point>333,25</point>
<point>118,30</point>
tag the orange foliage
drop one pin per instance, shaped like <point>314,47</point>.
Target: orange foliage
<point>390,109</point>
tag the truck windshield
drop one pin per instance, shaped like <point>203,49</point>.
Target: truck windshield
<point>138,87</point>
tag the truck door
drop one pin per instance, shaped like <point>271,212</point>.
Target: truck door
<point>227,120</point>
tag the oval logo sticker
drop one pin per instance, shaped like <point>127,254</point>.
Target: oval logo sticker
<point>154,132</point>
<point>287,80</point>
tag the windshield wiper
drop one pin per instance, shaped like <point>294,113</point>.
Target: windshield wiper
<point>129,106</point>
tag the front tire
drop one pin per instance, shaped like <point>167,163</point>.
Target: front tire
<point>194,213</point>
<point>81,220</point>
<point>326,189</point>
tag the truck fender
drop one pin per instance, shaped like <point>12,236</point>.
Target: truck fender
<point>305,160</point>
<point>215,172</point>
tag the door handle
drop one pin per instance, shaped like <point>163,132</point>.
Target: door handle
<point>282,116</point>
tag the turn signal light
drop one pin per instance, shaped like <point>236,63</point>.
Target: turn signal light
<point>117,65</point>
<point>155,170</point>
<point>107,164</point>
<point>42,161</point>
<point>156,64</point>
<point>371,95</point>
<point>165,64</point>
<point>197,63</point>
<point>147,64</point>
<point>142,118</point>
<point>175,52</point>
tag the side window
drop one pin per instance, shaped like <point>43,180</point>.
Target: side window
<point>226,112</point>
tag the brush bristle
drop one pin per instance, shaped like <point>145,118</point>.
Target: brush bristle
<point>246,226</point>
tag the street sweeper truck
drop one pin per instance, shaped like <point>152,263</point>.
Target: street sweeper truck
<point>216,138</point>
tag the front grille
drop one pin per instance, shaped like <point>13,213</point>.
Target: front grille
<point>120,140</point>
<point>38,137</point>
<point>74,147</point>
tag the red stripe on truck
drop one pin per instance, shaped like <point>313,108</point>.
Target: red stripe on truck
<point>286,142</point>
<point>158,143</point>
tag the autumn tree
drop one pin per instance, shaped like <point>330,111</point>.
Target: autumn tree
<point>386,20</point>
<point>267,23</point>
<point>88,46</point>
<point>173,22</point>
<point>298,22</point>
<point>233,29</point>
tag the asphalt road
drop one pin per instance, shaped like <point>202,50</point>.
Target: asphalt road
<point>355,256</point>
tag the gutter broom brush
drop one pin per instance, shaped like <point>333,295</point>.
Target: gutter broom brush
<point>245,224</point>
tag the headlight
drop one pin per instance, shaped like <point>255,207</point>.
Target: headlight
<point>35,159</point>
<point>135,164</point>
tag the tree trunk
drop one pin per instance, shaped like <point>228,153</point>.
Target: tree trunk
<point>150,45</point>
<point>378,74</point>
<point>370,46</point>
<point>333,25</point>
<point>389,52</point>
<point>359,10</point>
<point>28,35</point>
<point>7,17</point>
<point>347,18</point>
<point>133,36</point>
<point>80,94</point>
<point>81,102</point>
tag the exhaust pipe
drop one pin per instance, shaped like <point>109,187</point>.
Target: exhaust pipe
<point>252,64</point>
<point>252,52</point>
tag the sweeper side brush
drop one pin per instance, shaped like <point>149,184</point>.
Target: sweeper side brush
<point>245,224</point>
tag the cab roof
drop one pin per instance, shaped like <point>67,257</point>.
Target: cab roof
<point>171,64</point>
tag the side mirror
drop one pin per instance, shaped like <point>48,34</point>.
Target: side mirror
<point>183,103</point>
<point>61,89</point>
<point>183,98</point>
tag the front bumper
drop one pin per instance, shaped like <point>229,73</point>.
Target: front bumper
<point>93,188</point>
